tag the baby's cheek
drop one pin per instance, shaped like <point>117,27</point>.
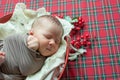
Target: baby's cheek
<point>57,47</point>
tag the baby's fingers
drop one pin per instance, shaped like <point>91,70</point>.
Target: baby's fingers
<point>30,38</point>
<point>33,45</point>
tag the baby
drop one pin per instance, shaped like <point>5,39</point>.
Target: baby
<point>22,55</point>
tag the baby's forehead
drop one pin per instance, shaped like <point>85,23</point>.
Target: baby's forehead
<point>50,23</point>
<point>56,30</point>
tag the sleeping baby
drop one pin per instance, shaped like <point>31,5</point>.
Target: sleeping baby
<point>24,54</point>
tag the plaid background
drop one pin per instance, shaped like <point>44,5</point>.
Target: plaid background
<point>102,61</point>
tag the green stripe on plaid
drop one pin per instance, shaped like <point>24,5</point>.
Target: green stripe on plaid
<point>8,8</point>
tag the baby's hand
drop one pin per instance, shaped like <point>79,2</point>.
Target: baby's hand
<point>2,57</point>
<point>32,42</point>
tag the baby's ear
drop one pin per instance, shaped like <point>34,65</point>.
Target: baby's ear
<point>31,32</point>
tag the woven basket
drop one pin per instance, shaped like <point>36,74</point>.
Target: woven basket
<point>8,16</point>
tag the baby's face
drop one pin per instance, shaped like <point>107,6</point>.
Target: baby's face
<point>49,37</point>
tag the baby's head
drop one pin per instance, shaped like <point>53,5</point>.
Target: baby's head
<point>48,30</point>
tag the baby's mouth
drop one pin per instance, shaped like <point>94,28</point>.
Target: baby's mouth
<point>49,49</point>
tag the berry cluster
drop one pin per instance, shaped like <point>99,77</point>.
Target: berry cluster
<point>77,25</point>
<point>81,41</point>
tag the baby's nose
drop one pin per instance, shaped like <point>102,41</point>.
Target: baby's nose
<point>52,42</point>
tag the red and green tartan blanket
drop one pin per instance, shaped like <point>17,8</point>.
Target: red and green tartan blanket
<point>102,23</point>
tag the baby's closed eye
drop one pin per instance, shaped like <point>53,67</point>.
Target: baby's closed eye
<point>48,36</point>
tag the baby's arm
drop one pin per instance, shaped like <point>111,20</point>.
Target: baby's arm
<point>32,42</point>
<point>2,57</point>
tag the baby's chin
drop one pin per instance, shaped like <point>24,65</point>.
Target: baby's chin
<point>47,53</point>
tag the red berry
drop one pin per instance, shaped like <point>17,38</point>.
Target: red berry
<point>87,35</point>
<point>82,37</point>
<point>84,40</point>
<point>88,43</point>
<point>73,32</point>
<point>80,23</point>
<point>81,43</point>
<point>78,38</point>
<point>79,18</point>
<point>77,44</point>
<point>72,42</point>
<point>77,28</point>
<point>75,23</point>
<point>83,21</point>
<point>72,51</point>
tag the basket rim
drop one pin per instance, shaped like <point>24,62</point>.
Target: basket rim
<point>5,18</point>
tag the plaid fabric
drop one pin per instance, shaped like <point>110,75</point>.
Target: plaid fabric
<point>102,61</point>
